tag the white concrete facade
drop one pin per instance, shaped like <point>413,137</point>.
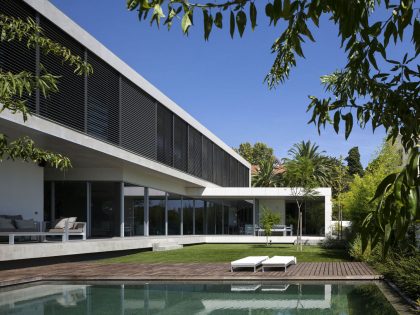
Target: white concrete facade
<point>22,189</point>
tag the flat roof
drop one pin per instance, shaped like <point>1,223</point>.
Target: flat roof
<point>253,192</point>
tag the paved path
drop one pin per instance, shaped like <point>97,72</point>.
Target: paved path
<point>185,272</point>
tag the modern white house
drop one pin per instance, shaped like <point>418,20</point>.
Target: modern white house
<point>142,166</point>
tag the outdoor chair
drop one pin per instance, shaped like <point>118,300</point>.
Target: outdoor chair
<point>248,262</point>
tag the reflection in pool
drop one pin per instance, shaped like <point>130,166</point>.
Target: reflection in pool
<point>196,298</point>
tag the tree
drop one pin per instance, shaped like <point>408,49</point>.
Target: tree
<point>373,86</point>
<point>266,175</point>
<point>357,200</point>
<point>256,154</point>
<point>268,220</point>
<point>340,184</point>
<point>319,166</point>
<point>353,162</point>
<point>299,177</point>
<point>16,88</point>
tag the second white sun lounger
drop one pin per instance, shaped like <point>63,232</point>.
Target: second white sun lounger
<point>248,262</point>
<point>279,261</point>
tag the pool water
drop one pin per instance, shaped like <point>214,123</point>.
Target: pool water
<point>195,298</point>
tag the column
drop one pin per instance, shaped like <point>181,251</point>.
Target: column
<point>122,209</point>
<point>146,212</point>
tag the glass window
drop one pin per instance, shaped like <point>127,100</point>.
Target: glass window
<point>157,203</point>
<point>199,208</point>
<point>211,217</point>
<point>47,202</point>
<point>71,200</point>
<point>174,205</point>
<point>188,208</point>
<point>105,209</point>
<point>133,210</point>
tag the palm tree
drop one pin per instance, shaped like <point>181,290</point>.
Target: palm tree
<point>321,166</point>
<point>266,175</point>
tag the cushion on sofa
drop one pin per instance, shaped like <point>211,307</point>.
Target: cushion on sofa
<point>72,220</point>
<point>13,217</point>
<point>60,223</point>
<point>6,225</point>
<point>26,225</point>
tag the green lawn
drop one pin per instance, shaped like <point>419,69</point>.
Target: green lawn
<point>228,252</point>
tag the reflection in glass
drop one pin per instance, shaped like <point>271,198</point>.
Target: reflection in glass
<point>311,212</point>
<point>157,204</point>
<point>71,200</point>
<point>133,210</point>
<point>199,216</point>
<point>174,205</point>
<point>196,298</point>
<point>105,208</point>
<point>188,210</point>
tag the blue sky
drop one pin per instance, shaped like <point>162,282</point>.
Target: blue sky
<point>220,82</point>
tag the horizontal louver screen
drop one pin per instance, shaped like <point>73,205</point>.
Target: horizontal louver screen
<point>180,144</point>
<point>108,106</point>
<point>194,152</point>
<point>138,120</point>
<point>67,106</point>
<point>103,101</point>
<point>207,165</point>
<point>164,135</point>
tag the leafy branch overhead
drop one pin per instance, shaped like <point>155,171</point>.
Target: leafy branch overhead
<point>373,88</point>
<point>16,88</point>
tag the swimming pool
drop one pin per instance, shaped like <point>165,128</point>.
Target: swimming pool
<point>195,298</point>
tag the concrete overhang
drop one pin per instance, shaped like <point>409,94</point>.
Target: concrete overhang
<point>251,192</point>
<point>93,159</point>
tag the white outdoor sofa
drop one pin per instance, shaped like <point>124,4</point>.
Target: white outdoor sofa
<point>76,229</point>
<point>279,261</point>
<point>248,262</point>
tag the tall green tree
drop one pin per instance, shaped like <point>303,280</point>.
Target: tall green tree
<point>16,88</point>
<point>373,87</point>
<point>256,154</point>
<point>266,175</point>
<point>353,162</point>
<point>299,177</point>
<point>319,166</point>
<point>357,200</point>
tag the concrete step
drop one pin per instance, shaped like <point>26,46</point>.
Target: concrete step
<point>157,247</point>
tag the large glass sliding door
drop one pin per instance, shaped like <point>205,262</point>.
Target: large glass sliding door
<point>174,206</point>
<point>71,200</point>
<point>188,209</point>
<point>157,204</point>
<point>199,206</point>
<point>133,210</point>
<point>105,209</point>
<point>313,214</point>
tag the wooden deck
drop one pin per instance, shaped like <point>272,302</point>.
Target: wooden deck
<point>185,272</point>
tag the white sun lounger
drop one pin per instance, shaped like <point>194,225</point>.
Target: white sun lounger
<point>248,262</point>
<point>279,261</point>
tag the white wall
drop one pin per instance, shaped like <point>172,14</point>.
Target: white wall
<point>277,206</point>
<point>22,189</point>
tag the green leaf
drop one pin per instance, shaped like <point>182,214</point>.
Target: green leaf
<point>384,185</point>
<point>208,24</point>
<point>186,23</point>
<point>348,118</point>
<point>218,20</point>
<point>337,121</point>
<point>286,9</point>
<point>416,35</point>
<point>241,22</point>
<point>276,11</point>
<point>269,11</point>
<point>253,15</point>
<point>232,24</point>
